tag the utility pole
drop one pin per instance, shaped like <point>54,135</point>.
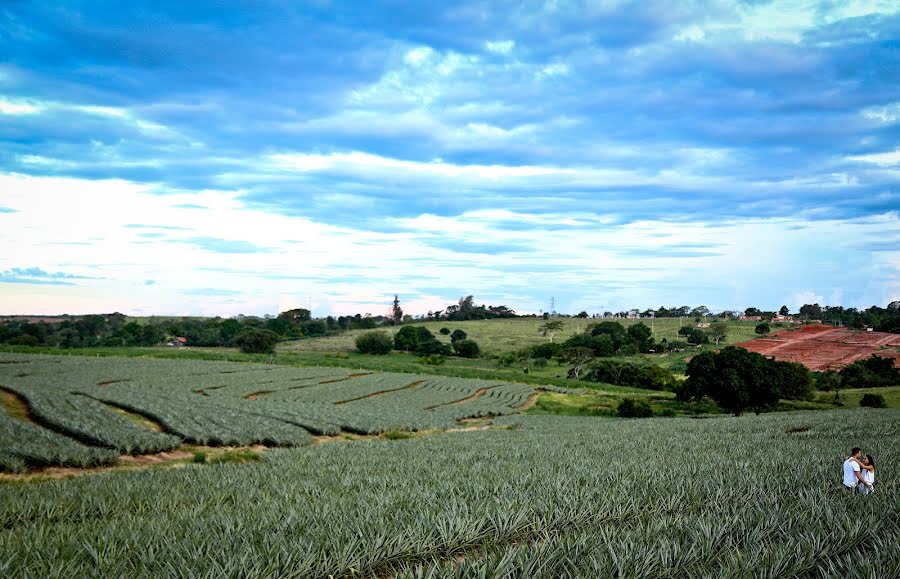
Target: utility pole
<point>553,306</point>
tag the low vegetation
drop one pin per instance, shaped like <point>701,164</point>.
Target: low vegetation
<point>682,498</point>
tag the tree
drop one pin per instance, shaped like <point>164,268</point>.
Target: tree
<point>699,312</point>
<point>550,328</point>
<point>873,401</point>
<point>631,408</point>
<point>431,346</point>
<point>784,311</point>
<point>577,358</point>
<point>718,331</point>
<point>582,314</point>
<point>736,379</point>
<point>296,315</point>
<point>762,329</point>
<point>614,330</point>
<point>752,312</point>
<point>466,348</point>
<point>396,312</point>
<point>810,311</point>
<point>256,341</point>
<point>642,337</point>
<point>457,336</point>
<point>409,338</point>
<point>444,331</point>
<point>378,343</point>
<point>697,337</point>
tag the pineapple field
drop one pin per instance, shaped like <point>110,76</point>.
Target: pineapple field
<point>527,496</point>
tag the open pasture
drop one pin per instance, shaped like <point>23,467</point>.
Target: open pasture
<point>505,335</point>
<point>83,404</point>
<point>756,496</point>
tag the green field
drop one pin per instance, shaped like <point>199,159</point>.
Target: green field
<point>550,496</point>
<point>505,335</point>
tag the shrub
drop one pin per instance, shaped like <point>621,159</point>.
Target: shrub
<point>630,408</point>
<point>409,338</point>
<point>431,347</point>
<point>871,372</point>
<point>378,343</point>
<point>444,331</point>
<point>434,360</point>
<point>762,328</point>
<point>256,341</point>
<point>873,401</point>
<point>457,336</point>
<point>546,350</point>
<point>697,337</point>
<point>467,348</point>
<point>648,376</point>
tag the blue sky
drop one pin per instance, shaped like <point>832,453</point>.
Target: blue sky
<point>195,158</point>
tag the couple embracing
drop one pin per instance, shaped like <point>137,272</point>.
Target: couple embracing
<point>859,473</point>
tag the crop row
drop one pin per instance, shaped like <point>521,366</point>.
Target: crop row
<point>556,497</point>
<point>91,422</point>
<point>24,445</point>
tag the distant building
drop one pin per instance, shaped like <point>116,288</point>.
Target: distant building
<point>177,342</point>
<point>702,324</point>
<point>750,318</point>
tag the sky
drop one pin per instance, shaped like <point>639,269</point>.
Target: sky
<point>209,158</point>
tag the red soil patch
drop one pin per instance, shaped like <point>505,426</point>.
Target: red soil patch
<point>820,347</point>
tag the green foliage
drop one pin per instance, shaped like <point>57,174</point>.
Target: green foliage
<point>199,457</point>
<point>444,331</point>
<point>647,376</point>
<point>873,401</point>
<point>601,345</point>
<point>718,331</point>
<point>242,456</point>
<point>737,380</point>
<point>641,336</point>
<point>538,501</point>
<point>762,328</point>
<point>432,347</point>
<point>256,341</point>
<point>409,338</point>
<point>227,404</point>
<point>434,360</point>
<point>467,348</point>
<point>871,372</point>
<point>697,337</point>
<point>632,408</point>
<point>457,335</point>
<point>547,350</point>
<point>378,342</point>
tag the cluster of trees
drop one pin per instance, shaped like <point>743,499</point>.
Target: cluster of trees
<point>647,376</point>
<point>739,380</point>
<point>872,372</point>
<point>466,309</point>
<point>420,341</point>
<point>113,330</point>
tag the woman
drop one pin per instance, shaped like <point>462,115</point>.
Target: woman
<point>868,474</point>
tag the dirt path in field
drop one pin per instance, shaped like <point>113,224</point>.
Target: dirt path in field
<point>531,401</point>
<point>111,382</point>
<point>16,406</point>
<point>139,419</point>
<point>255,395</point>
<point>381,392</point>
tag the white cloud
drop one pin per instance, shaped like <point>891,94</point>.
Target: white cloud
<point>883,159</point>
<point>8,107</point>
<point>500,46</point>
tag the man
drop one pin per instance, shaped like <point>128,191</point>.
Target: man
<point>852,475</point>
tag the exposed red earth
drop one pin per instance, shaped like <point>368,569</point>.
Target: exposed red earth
<point>821,347</point>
